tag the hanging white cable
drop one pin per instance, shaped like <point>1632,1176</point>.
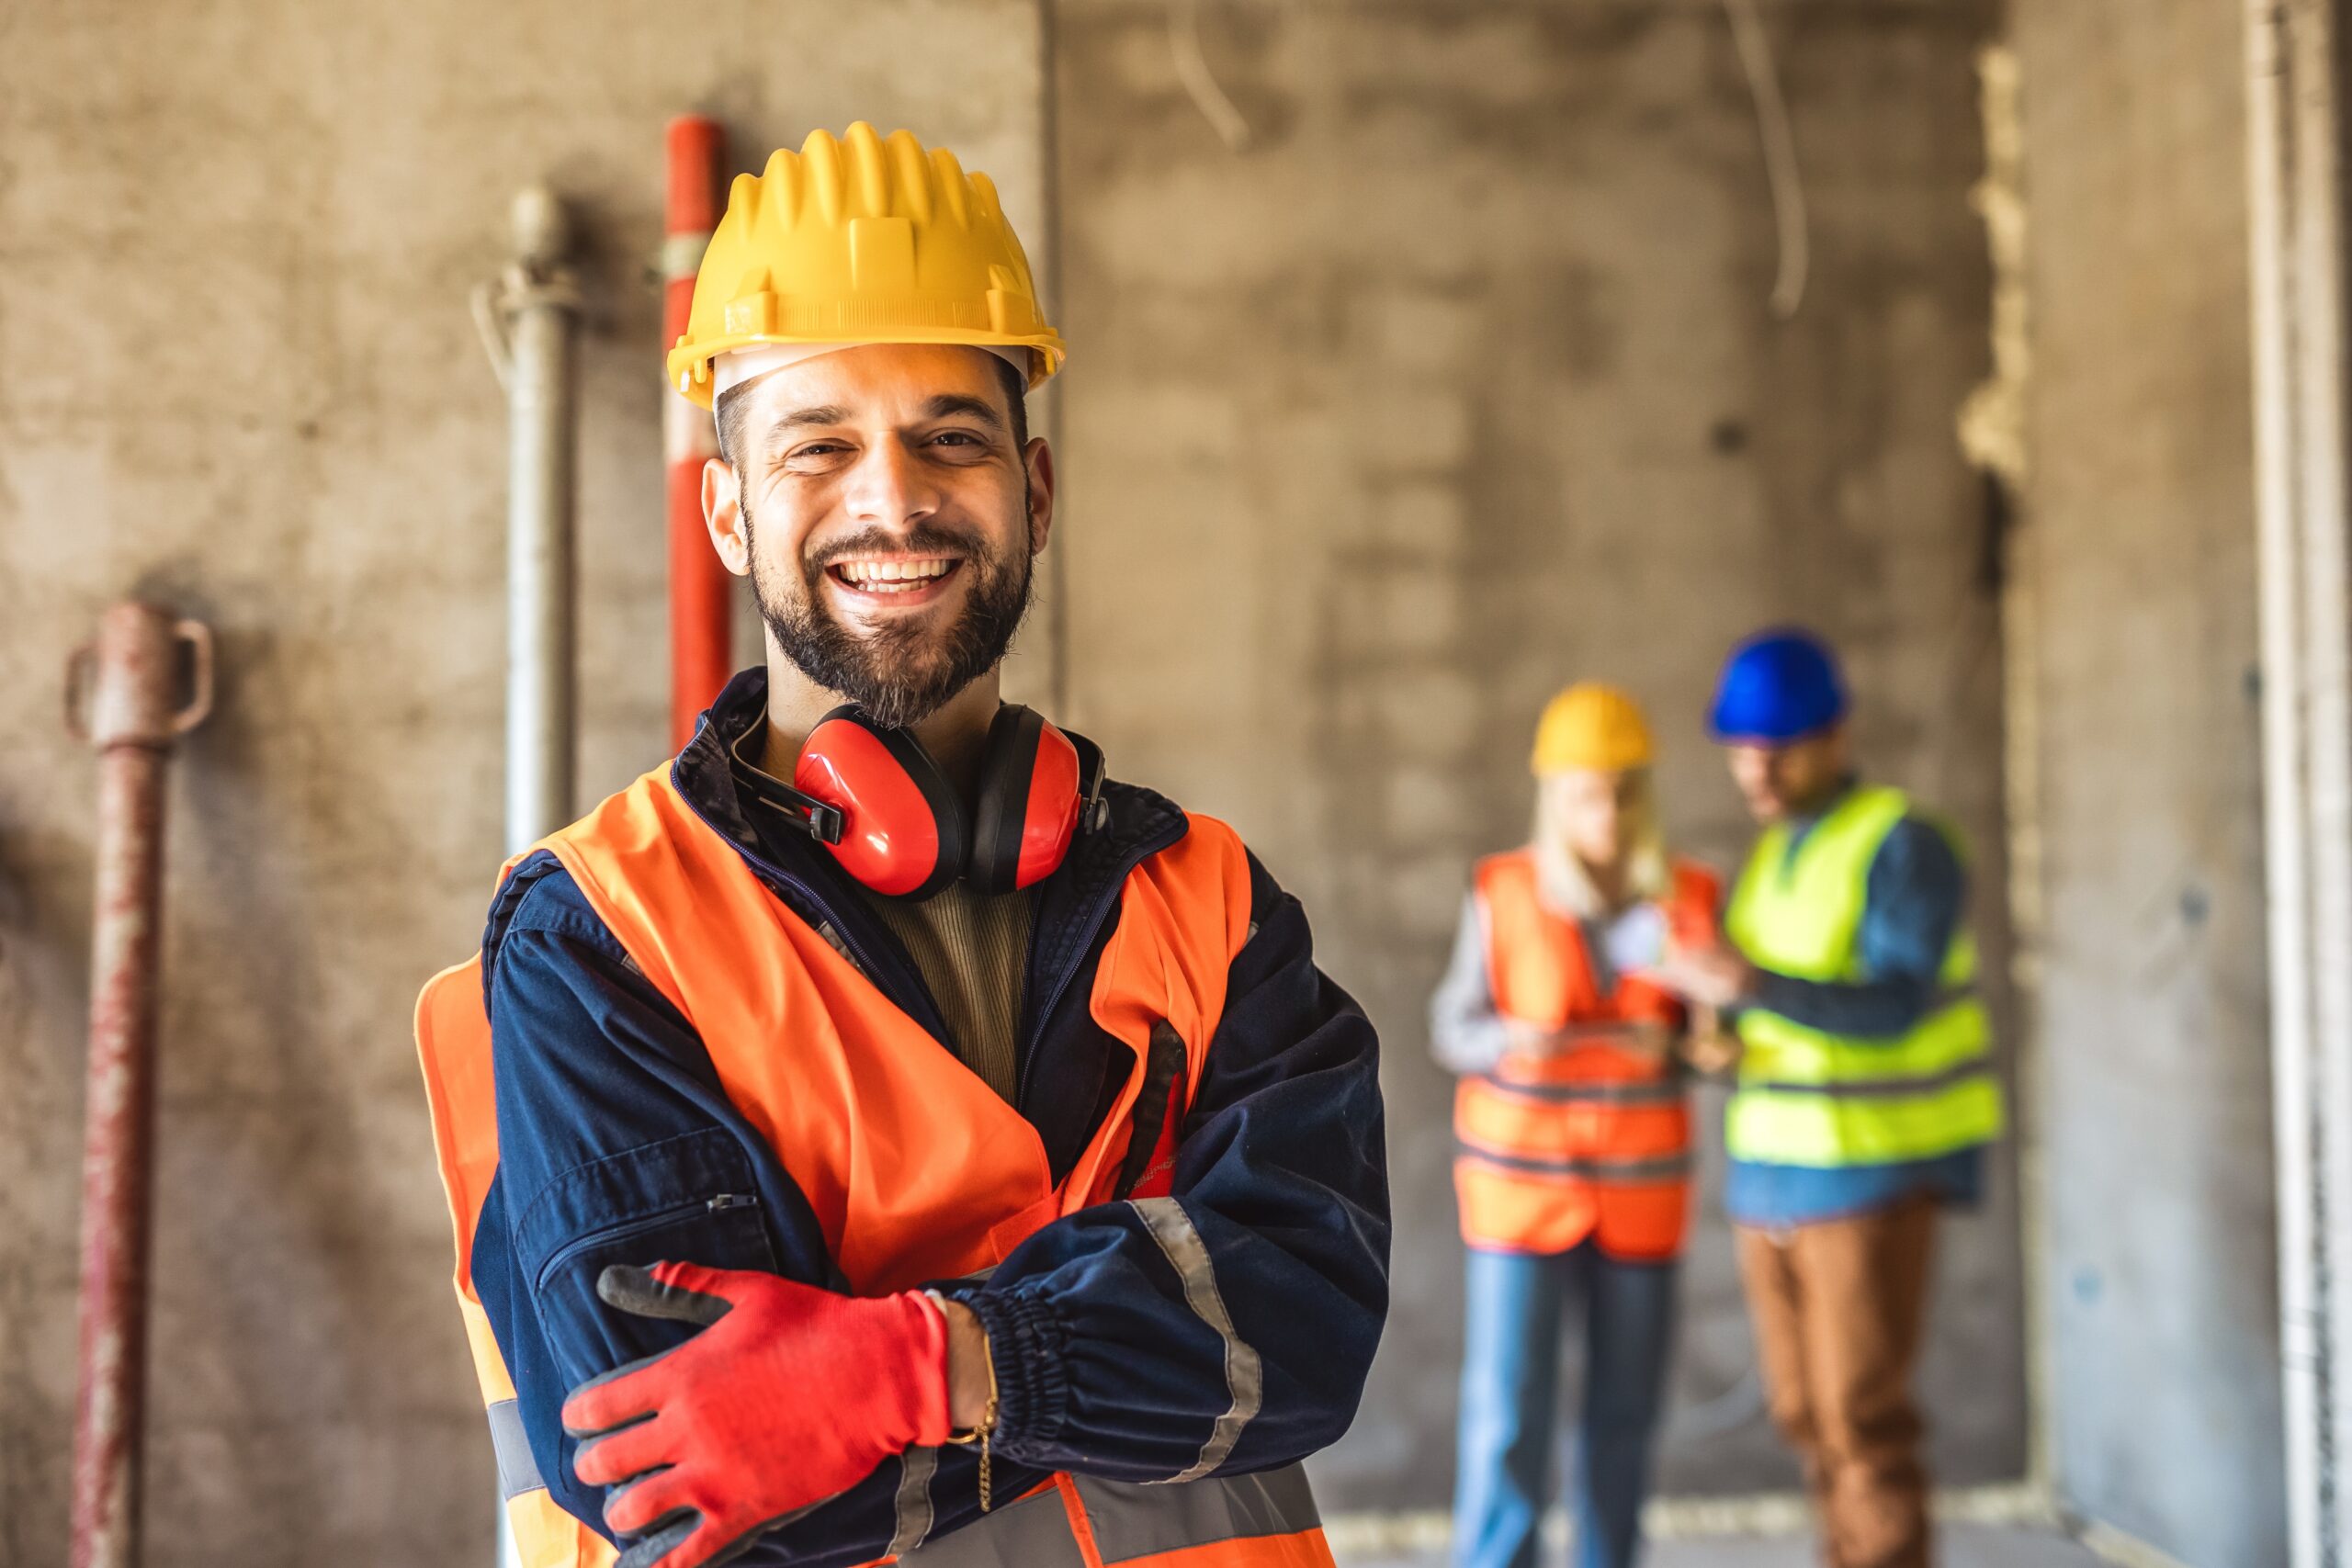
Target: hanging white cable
<point>1192,71</point>
<point>1781,169</point>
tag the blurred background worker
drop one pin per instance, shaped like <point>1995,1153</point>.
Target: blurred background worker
<point>1574,1135</point>
<point>1866,1095</point>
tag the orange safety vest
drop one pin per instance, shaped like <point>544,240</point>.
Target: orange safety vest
<point>1594,1140</point>
<point>916,1170</point>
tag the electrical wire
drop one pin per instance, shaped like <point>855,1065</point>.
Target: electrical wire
<point>1192,71</point>
<point>1781,168</point>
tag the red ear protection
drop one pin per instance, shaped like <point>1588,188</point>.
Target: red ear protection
<point>901,827</point>
<point>1025,810</point>
<point>878,801</point>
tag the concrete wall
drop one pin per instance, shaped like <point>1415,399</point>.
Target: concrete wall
<point>236,371</point>
<point>2141,543</point>
<point>1459,384</point>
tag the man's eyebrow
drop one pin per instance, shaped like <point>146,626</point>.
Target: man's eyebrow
<point>822,413</point>
<point>949,403</point>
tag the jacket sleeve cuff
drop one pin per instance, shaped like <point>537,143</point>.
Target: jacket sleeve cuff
<point>1027,1341</point>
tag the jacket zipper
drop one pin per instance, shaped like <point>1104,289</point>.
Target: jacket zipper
<point>637,1226</point>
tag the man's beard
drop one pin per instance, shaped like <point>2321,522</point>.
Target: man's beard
<point>908,668</point>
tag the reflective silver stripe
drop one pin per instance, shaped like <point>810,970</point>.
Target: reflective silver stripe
<point>1879,1089</point>
<point>1244,1376</point>
<point>1644,1091</point>
<point>1142,1521</point>
<point>517,1471</point>
<point>1129,1521</point>
<point>916,1467</point>
<point>1032,1533</point>
<point>1660,1168</point>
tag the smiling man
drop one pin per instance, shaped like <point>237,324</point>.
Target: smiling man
<point>874,1134</point>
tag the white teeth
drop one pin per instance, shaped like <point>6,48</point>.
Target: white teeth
<point>893,576</point>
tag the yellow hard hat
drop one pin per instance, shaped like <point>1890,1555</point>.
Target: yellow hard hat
<point>1592,726</point>
<point>862,240</point>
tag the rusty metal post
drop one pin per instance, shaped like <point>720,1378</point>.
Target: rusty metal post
<point>131,676</point>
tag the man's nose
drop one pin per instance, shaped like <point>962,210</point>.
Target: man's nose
<point>888,487</point>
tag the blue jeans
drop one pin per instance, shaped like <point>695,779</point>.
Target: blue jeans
<point>1511,1374</point>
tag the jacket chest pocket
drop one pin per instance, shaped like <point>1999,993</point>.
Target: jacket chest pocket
<point>686,1200</point>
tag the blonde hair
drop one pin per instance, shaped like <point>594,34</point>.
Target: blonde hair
<point>1562,880</point>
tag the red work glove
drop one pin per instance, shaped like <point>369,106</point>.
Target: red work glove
<point>790,1395</point>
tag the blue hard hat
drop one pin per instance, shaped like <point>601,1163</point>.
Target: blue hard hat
<point>1779,685</point>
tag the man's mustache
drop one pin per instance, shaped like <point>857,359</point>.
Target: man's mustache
<point>927,539</point>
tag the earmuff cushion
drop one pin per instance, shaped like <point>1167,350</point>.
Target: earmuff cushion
<point>1000,799</point>
<point>1025,811</point>
<point>1052,818</point>
<point>903,832</point>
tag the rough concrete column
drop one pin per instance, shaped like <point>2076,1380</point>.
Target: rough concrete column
<point>2157,1093</point>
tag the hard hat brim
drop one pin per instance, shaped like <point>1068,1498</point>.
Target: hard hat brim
<point>689,365</point>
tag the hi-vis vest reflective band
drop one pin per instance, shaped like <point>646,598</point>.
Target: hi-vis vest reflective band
<point>897,1212</point>
<point>1595,1140</point>
<point>1812,1099</point>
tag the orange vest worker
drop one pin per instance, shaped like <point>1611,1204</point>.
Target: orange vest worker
<point>1594,1141</point>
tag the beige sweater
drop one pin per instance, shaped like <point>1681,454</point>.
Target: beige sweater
<point>973,950</point>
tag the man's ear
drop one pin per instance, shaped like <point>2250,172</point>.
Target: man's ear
<point>1039,461</point>
<point>722,513</point>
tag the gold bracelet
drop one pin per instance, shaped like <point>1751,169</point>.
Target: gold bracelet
<point>980,1434</point>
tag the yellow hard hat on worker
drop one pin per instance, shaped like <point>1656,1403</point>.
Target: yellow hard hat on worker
<point>1592,726</point>
<point>862,240</point>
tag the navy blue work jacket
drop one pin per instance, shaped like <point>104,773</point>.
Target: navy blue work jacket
<point>617,1145</point>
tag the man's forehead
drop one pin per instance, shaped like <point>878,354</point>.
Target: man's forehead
<point>878,379</point>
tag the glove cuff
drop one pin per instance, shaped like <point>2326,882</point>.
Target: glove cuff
<point>926,1368</point>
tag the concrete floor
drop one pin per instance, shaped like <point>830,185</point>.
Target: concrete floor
<point>1963,1546</point>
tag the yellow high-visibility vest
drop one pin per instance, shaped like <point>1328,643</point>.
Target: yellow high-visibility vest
<point>1810,1098</point>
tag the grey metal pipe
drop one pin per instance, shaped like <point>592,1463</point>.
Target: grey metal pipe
<point>2296,106</point>
<point>526,320</point>
<point>540,304</point>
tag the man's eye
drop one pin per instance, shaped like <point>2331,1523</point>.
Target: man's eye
<point>819,449</point>
<point>959,438</point>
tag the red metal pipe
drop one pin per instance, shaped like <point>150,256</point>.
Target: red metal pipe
<point>701,656</point>
<point>133,721</point>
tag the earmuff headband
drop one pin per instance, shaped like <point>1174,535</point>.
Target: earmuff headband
<point>1094,772</point>
<point>804,813</point>
<point>877,799</point>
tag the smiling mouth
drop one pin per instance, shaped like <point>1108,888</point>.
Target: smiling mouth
<point>888,577</point>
